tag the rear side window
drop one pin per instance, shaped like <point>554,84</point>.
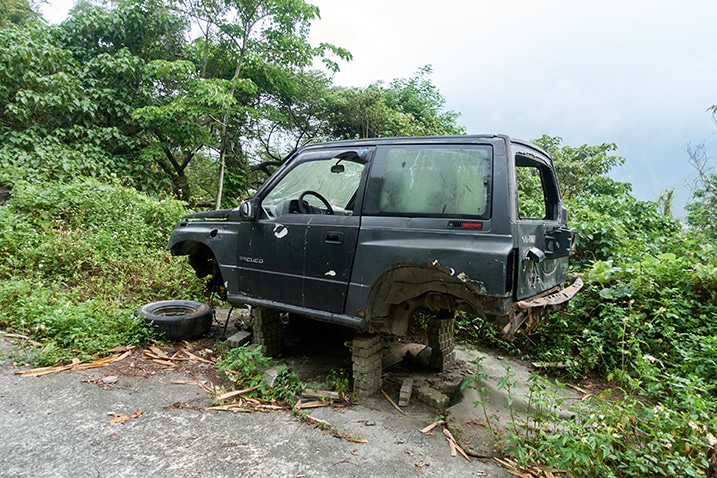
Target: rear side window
<point>537,191</point>
<point>445,180</point>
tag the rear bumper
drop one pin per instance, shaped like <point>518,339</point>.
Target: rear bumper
<point>527,313</point>
<point>554,298</point>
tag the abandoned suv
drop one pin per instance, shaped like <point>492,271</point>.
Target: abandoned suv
<point>367,233</point>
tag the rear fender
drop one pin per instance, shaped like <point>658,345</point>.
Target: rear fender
<point>401,292</point>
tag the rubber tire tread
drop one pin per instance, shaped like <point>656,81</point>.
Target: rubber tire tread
<point>178,319</point>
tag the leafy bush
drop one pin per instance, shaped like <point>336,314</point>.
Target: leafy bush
<point>616,226</point>
<point>660,307</point>
<point>645,321</point>
<point>76,259</point>
<point>245,366</point>
<point>63,327</point>
<point>338,380</point>
<point>628,438</point>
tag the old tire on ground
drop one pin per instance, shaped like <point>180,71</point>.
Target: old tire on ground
<point>178,319</point>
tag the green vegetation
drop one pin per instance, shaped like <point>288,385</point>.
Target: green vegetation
<point>644,325</point>
<point>18,12</point>
<point>76,260</point>
<point>338,380</point>
<point>110,118</point>
<point>608,435</point>
<point>246,366</point>
<point>116,122</point>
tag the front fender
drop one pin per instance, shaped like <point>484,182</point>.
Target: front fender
<point>207,243</point>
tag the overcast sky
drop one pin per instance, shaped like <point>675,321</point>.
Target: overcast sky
<point>640,74</point>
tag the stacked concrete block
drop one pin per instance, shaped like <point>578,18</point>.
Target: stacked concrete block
<point>441,341</point>
<point>366,355</point>
<point>268,333</point>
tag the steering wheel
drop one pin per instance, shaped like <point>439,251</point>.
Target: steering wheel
<point>302,209</point>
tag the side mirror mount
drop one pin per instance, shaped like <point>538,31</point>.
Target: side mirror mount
<point>247,210</point>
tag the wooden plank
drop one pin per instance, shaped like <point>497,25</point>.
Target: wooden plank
<point>159,352</point>
<point>325,394</point>
<point>234,393</point>
<point>168,363</point>
<point>385,395</point>
<point>433,425</point>
<point>314,404</point>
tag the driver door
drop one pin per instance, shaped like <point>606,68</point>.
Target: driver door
<point>300,250</point>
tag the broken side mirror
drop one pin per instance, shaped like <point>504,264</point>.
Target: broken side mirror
<point>246,210</point>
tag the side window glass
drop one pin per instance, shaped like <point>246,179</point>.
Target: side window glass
<point>534,187</point>
<point>325,182</point>
<point>445,180</point>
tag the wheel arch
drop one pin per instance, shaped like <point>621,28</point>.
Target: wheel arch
<point>401,292</point>
<point>201,257</point>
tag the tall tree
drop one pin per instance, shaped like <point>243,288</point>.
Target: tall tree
<point>51,125</point>
<point>261,48</point>
<point>121,92</point>
<point>316,110</point>
<point>665,201</point>
<point>407,106</point>
<point>608,218</point>
<point>583,170</point>
<point>18,12</point>
<point>70,92</point>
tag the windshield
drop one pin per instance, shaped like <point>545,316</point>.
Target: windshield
<point>334,178</point>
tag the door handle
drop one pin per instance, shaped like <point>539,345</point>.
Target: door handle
<point>333,237</point>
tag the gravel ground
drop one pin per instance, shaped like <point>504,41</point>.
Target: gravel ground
<point>60,425</point>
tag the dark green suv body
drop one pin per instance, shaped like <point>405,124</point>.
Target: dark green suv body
<point>365,233</point>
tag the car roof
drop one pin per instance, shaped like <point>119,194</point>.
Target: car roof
<point>465,139</point>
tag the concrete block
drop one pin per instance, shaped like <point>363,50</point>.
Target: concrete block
<point>372,367</point>
<point>239,339</point>
<point>365,348</point>
<point>405,394</point>
<point>421,357</point>
<point>432,397</point>
<point>271,375</point>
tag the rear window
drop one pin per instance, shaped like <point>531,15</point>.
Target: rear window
<point>445,180</point>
